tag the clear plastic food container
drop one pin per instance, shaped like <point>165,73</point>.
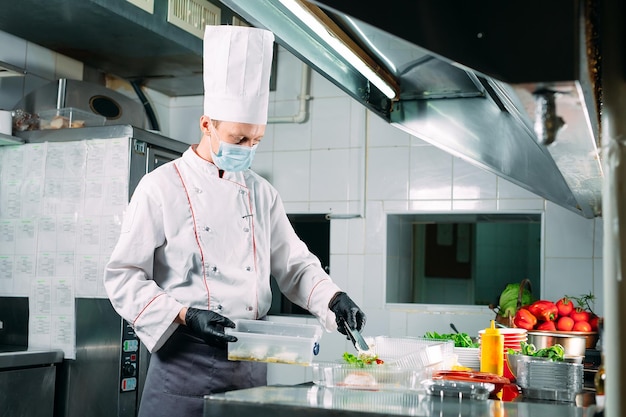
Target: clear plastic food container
<point>266,341</point>
<point>369,377</point>
<point>458,389</point>
<point>68,117</point>
<point>414,352</point>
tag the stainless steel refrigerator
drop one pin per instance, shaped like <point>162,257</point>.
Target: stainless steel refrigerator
<point>106,377</point>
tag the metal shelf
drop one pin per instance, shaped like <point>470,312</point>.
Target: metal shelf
<point>10,140</point>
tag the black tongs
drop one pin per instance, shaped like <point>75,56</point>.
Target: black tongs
<point>357,339</point>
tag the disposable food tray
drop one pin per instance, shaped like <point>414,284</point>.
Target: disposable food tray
<point>388,402</point>
<point>458,389</point>
<point>266,341</point>
<point>414,352</point>
<point>546,380</point>
<point>369,377</point>
<point>495,381</point>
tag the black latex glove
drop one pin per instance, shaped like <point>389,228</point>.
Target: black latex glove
<point>345,308</point>
<point>209,326</point>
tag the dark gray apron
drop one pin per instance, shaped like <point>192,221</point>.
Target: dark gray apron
<point>185,369</point>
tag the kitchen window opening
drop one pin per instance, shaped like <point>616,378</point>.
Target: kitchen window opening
<point>460,259</point>
<point>314,230</point>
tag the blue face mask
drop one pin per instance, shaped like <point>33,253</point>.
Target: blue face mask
<point>233,158</point>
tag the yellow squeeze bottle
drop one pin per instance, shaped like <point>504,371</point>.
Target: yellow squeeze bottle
<point>492,351</point>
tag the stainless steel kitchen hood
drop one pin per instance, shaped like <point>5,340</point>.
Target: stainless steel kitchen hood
<point>116,37</point>
<point>507,86</point>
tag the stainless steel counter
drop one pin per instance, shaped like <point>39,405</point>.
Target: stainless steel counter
<point>22,357</point>
<point>27,381</point>
<point>314,401</point>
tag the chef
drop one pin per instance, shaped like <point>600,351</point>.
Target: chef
<point>202,235</point>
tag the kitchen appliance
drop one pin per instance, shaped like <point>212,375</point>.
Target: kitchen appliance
<point>107,375</point>
<point>27,376</point>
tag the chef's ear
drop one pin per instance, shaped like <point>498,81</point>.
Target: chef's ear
<point>205,124</point>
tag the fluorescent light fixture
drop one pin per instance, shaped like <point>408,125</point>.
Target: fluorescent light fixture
<point>339,46</point>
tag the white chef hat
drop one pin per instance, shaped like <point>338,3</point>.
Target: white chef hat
<point>237,65</point>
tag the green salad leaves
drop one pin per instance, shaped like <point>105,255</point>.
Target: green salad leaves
<point>553,353</point>
<point>459,339</point>
<point>362,360</point>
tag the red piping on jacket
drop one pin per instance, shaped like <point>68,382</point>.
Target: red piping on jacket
<point>308,300</point>
<point>145,308</point>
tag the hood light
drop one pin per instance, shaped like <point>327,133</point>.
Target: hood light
<point>324,32</point>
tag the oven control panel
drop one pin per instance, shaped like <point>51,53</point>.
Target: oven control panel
<point>130,358</point>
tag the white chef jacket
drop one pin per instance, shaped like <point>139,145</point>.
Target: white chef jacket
<point>191,238</point>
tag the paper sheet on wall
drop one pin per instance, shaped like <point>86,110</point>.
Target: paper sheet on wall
<point>61,205</point>
<point>51,319</point>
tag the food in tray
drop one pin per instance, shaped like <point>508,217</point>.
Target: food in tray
<point>475,377</point>
<point>359,380</point>
<point>61,122</point>
<point>264,354</point>
<point>362,359</point>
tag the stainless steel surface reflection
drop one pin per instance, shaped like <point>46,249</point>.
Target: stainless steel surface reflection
<point>312,401</point>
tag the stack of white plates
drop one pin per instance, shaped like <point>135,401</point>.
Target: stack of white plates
<point>469,357</point>
<point>512,337</point>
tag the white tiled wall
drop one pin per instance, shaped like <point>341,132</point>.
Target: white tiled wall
<point>345,160</point>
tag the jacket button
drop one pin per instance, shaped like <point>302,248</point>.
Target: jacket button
<point>219,307</point>
<point>198,190</point>
<point>245,229</point>
<point>248,268</point>
<point>207,229</point>
<point>249,308</point>
<point>214,269</point>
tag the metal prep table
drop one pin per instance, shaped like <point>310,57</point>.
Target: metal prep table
<point>314,401</point>
<point>27,381</point>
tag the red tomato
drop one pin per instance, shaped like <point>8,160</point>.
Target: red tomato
<point>578,314</point>
<point>565,306</point>
<point>593,322</point>
<point>581,326</point>
<point>565,324</point>
<point>546,325</point>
